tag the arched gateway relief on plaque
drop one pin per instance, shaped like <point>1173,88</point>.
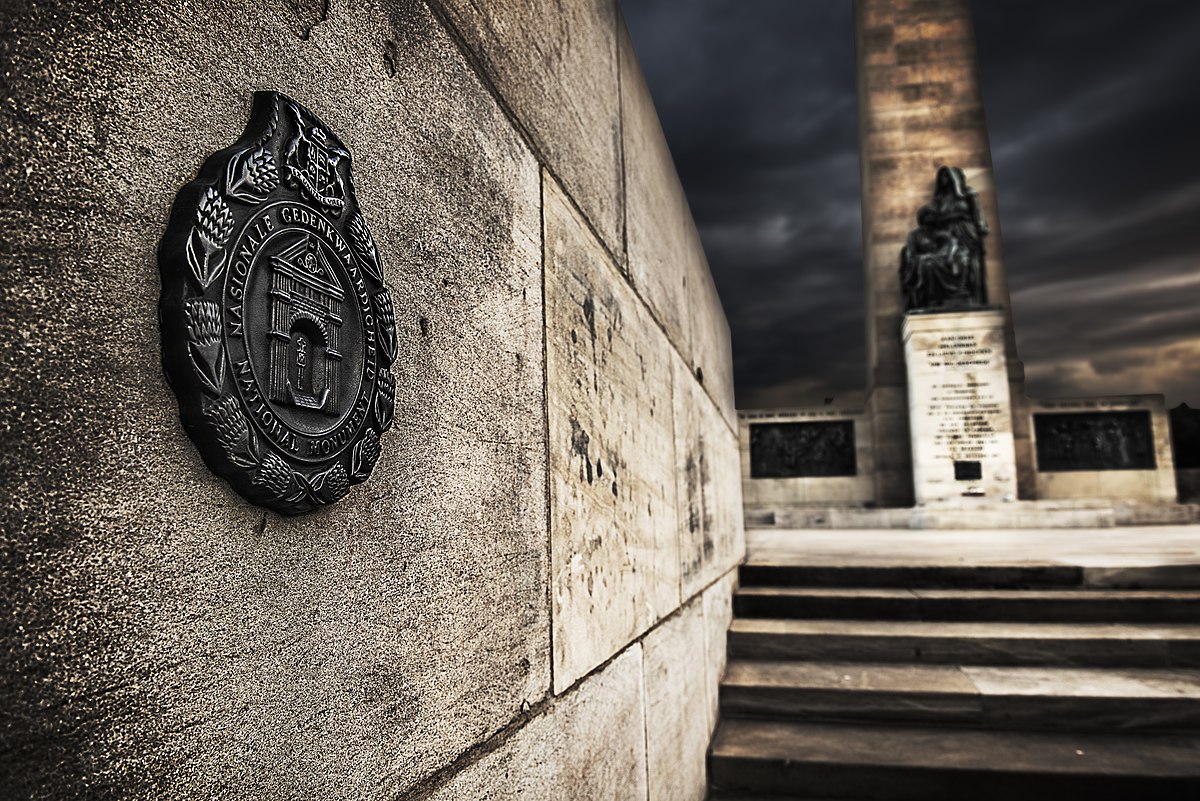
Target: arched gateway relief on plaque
<point>278,333</point>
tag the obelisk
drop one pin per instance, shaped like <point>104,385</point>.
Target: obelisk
<point>920,108</point>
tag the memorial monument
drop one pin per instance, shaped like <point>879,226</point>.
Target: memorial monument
<point>945,422</point>
<point>960,411</point>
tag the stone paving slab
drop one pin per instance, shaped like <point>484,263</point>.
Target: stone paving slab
<point>1102,548</point>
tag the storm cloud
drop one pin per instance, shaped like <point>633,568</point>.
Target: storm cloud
<point>1094,116</point>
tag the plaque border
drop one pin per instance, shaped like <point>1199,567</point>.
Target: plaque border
<point>195,256</point>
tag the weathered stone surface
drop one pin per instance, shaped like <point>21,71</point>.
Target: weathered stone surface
<point>612,464</point>
<point>850,691</point>
<point>1050,644</point>
<point>711,353</point>
<point>162,638</point>
<point>708,485</point>
<point>556,65</point>
<point>718,614</point>
<point>665,256</point>
<point>677,713</point>
<point>1005,697</point>
<point>662,245</point>
<point>773,757</point>
<point>591,745</point>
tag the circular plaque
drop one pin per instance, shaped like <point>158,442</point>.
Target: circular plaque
<point>278,333</point>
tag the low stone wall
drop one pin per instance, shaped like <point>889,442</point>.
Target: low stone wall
<point>529,597</point>
<point>1117,483</point>
<point>765,496</point>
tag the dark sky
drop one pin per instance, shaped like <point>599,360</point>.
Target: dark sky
<point>1094,115</point>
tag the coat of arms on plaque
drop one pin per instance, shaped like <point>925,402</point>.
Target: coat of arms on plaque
<point>278,332</point>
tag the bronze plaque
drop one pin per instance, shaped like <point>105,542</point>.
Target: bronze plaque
<point>816,449</point>
<point>278,332</point>
<point>1094,441</point>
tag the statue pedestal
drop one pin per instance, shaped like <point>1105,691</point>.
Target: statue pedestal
<point>960,412</point>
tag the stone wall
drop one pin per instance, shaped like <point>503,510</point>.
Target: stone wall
<point>768,498</point>
<point>529,597</point>
<point>1157,485</point>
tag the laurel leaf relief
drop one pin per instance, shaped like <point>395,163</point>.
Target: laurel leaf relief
<point>204,343</point>
<point>207,240</point>
<point>387,325</point>
<point>364,248</point>
<point>385,400</point>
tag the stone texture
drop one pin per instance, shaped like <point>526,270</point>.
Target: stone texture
<point>708,486</point>
<point>1096,557</point>
<point>662,245</point>
<point>677,711</point>
<point>556,66</point>
<point>591,744</point>
<point>162,638</point>
<point>1050,644</point>
<point>612,454</point>
<point>1001,697</point>
<point>850,691</point>
<point>718,615</point>
<point>666,260</point>
<point>910,762</point>
<point>712,351</point>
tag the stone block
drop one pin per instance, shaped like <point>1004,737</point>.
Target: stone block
<point>590,744</point>
<point>711,350</point>
<point>666,259</point>
<point>556,66</point>
<point>612,454</point>
<point>708,486</point>
<point>163,636</point>
<point>718,615</point>
<point>662,244</point>
<point>677,711</point>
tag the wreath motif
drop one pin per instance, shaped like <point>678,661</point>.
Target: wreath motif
<point>267,164</point>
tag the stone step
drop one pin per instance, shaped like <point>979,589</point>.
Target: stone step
<point>884,603</point>
<point>892,763</point>
<point>1058,515</point>
<point>1046,644</point>
<point>778,573</point>
<point>991,697</point>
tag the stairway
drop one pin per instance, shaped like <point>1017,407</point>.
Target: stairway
<point>958,683</point>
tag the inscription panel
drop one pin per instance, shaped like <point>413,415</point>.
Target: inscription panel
<point>966,406</point>
<point>1094,441</point>
<point>960,413</point>
<point>802,450</point>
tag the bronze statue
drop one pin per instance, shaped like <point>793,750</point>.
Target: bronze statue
<point>942,265</point>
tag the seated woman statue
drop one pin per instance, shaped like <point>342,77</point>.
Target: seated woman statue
<point>942,264</point>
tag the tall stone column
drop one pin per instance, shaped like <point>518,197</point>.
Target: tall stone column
<point>920,108</point>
